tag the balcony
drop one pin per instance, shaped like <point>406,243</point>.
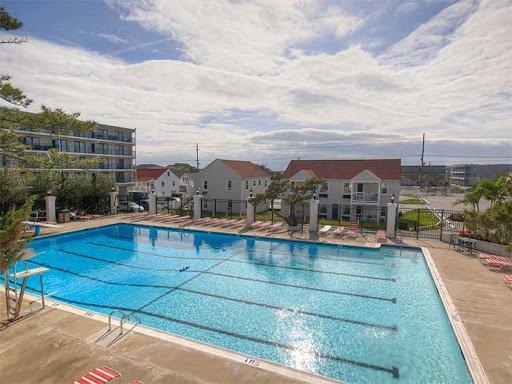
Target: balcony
<point>365,198</point>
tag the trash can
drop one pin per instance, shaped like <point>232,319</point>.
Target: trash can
<point>64,216</point>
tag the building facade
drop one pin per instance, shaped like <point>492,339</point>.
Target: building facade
<point>115,147</point>
<point>466,175</point>
<point>162,181</point>
<point>353,189</point>
<point>226,184</point>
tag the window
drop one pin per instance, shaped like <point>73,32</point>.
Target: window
<point>205,184</point>
<point>265,183</point>
<point>324,187</point>
<point>102,149</point>
<point>246,185</point>
<point>254,183</point>
<point>183,188</point>
<point>383,211</point>
<point>32,141</point>
<point>384,188</point>
<point>102,133</point>
<point>118,135</point>
<point>360,187</point>
<point>168,174</point>
<point>163,184</point>
<point>173,183</point>
<point>230,185</point>
<point>63,145</point>
<point>79,147</point>
<point>259,182</point>
<point>119,150</point>
<point>346,187</point>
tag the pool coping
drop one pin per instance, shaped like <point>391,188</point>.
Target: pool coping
<point>473,363</point>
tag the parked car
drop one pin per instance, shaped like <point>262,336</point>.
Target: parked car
<point>129,207</point>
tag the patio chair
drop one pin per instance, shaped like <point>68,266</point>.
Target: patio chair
<point>353,230</point>
<point>325,229</point>
<point>380,237</point>
<point>98,376</point>
<point>339,231</point>
<point>507,279</point>
<point>276,226</point>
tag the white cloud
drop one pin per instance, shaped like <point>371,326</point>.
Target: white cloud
<point>314,101</point>
<point>112,38</point>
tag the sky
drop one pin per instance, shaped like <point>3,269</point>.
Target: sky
<point>274,80</point>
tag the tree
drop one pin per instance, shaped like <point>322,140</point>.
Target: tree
<point>299,194</point>
<point>12,246</point>
<point>13,189</point>
<point>275,190</point>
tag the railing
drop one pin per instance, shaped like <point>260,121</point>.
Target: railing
<point>115,152</point>
<point>365,197</point>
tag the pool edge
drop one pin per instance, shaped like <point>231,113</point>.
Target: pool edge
<point>476,371</point>
<point>473,363</point>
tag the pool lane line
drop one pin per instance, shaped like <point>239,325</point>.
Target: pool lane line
<point>270,306</point>
<point>387,265</point>
<point>207,271</point>
<point>391,279</point>
<point>393,370</point>
<point>392,300</point>
<point>293,310</point>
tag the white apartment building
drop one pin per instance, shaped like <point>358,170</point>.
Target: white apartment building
<point>353,189</point>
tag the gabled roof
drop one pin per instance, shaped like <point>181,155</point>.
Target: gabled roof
<point>146,174</point>
<point>245,169</point>
<point>385,169</point>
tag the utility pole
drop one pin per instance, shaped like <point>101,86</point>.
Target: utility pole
<point>197,157</point>
<point>422,162</point>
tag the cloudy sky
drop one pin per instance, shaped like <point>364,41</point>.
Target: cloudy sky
<point>272,80</point>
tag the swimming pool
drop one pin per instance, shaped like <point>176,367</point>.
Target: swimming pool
<point>352,314</point>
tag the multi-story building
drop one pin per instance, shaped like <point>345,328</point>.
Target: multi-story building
<point>428,175</point>
<point>466,175</point>
<point>115,147</point>
<point>226,184</point>
<point>353,189</point>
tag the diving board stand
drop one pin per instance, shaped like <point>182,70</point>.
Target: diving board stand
<point>25,275</point>
<point>38,225</point>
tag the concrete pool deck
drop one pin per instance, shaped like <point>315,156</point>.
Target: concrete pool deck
<point>57,346</point>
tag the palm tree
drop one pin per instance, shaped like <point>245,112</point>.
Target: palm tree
<point>12,246</point>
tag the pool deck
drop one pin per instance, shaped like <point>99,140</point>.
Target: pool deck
<point>58,346</point>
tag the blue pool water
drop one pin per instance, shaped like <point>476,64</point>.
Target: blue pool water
<point>351,314</point>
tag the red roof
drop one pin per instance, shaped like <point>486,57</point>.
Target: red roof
<point>385,169</point>
<point>245,169</point>
<point>146,174</point>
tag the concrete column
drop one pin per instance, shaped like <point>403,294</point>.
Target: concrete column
<point>197,206</point>
<point>313,215</point>
<point>50,209</point>
<point>113,203</point>
<point>250,214</point>
<point>152,203</point>
<point>390,229</point>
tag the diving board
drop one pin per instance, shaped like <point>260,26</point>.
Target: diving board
<point>38,225</point>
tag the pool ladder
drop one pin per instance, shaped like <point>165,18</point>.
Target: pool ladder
<point>125,316</point>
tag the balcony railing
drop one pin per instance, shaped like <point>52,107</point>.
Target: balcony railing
<point>98,151</point>
<point>365,197</point>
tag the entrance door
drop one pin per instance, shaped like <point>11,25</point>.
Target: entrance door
<point>334,213</point>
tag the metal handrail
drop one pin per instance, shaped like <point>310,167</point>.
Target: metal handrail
<point>110,318</point>
<point>126,317</point>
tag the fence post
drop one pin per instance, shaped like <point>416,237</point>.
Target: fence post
<point>418,223</point>
<point>313,215</point>
<point>197,207</point>
<point>113,202</point>
<point>250,213</point>
<point>392,218</point>
<point>152,203</point>
<point>50,208</point>
<point>442,225</point>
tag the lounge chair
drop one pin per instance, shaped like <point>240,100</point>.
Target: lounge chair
<point>98,376</point>
<point>339,231</point>
<point>237,223</point>
<point>262,225</point>
<point>380,237</point>
<point>353,230</point>
<point>496,262</point>
<point>275,226</point>
<point>325,229</point>
<point>507,279</point>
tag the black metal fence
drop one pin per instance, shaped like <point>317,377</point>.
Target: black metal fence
<point>429,223</point>
<point>369,217</point>
<point>223,208</point>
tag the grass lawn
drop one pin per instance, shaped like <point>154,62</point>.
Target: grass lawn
<point>412,200</point>
<point>425,218</point>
